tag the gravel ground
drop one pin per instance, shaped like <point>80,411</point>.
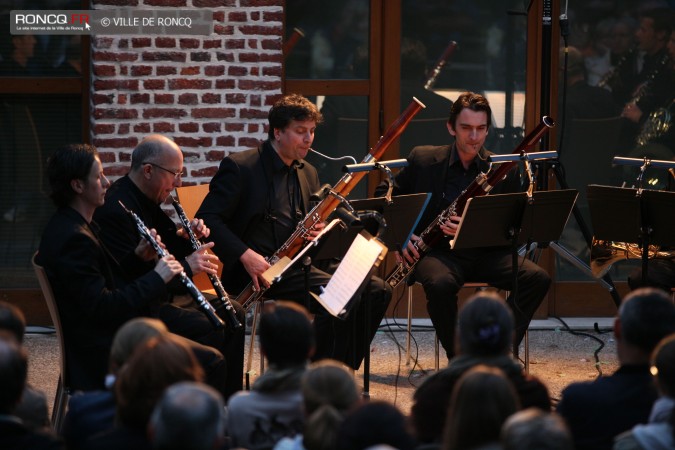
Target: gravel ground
<point>557,357</point>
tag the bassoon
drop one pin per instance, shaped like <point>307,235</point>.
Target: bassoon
<point>442,61</point>
<point>203,305</point>
<point>331,201</point>
<point>223,299</point>
<point>481,185</point>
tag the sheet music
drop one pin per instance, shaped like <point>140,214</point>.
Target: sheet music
<point>354,268</point>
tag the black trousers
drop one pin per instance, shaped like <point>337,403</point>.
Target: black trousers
<point>443,272</point>
<point>342,339</point>
<point>223,355</point>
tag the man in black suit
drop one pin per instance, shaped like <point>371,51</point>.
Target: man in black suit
<point>156,169</point>
<point>255,201</point>
<point>88,282</point>
<point>446,171</point>
<point>599,410</point>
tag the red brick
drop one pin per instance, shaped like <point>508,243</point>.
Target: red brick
<point>228,57</point>
<point>218,16</point>
<point>234,127</point>
<point>117,2</point>
<point>113,56</point>
<point>210,98</point>
<point>107,157</point>
<point>255,71</point>
<point>170,113</point>
<point>194,70</point>
<point>247,3</point>
<point>141,71</point>
<point>272,71</point>
<point>101,70</point>
<point>248,142</point>
<point>116,84</point>
<point>200,56</point>
<point>270,44</point>
<point>214,71</point>
<point>225,141</point>
<point>124,70</point>
<point>212,44</point>
<point>223,30</point>
<point>235,44</point>
<point>123,128</point>
<point>189,43</point>
<point>260,30</point>
<point>237,16</point>
<point>164,99</point>
<point>254,100</point>
<point>102,99</point>
<point>193,142</point>
<point>165,70</point>
<point>252,43</point>
<point>114,113</point>
<point>165,42</point>
<point>141,42</point>
<point>189,84</point>
<point>188,127</point>
<point>225,84</point>
<point>104,128</point>
<point>237,71</point>
<point>215,155</point>
<point>205,172</point>
<point>164,56</point>
<point>173,3</point>
<point>125,155</point>
<point>255,16</point>
<point>212,113</point>
<point>154,84</point>
<point>101,42</point>
<point>140,98</point>
<point>163,127</point>
<point>251,85</point>
<point>122,99</point>
<point>123,43</point>
<point>233,99</point>
<point>142,128</point>
<point>188,99</point>
<point>252,128</point>
<point>211,127</point>
<point>213,3</point>
<point>116,142</point>
<point>116,170</point>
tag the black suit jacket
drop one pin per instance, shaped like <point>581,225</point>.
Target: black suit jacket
<point>426,172</point>
<point>239,199</point>
<point>92,299</point>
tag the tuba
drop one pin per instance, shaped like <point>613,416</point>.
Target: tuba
<point>606,253</point>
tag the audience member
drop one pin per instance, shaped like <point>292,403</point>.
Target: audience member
<point>372,424</point>
<point>328,392</point>
<point>93,412</point>
<point>188,416</point>
<point>272,409</point>
<point>534,429</point>
<point>481,401</point>
<point>484,336</point>
<point>32,408</point>
<point>13,374</point>
<point>659,433</point>
<point>154,366</point>
<point>597,411</point>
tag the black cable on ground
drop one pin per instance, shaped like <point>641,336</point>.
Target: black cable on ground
<point>581,333</point>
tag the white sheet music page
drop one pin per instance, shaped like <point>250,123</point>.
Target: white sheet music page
<point>354,268</point>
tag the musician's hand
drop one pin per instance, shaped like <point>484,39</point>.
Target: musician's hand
<point>410,253</point>
<point>255,265</point>
<point>145,251</point>
<point>168,267</point>
<point>198,229</point>
<point>449,227</point>
<point>202,261</point>
<point>632,112</point>
<point>315,230</point>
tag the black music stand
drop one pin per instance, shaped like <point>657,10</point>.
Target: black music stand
<point>401,218</point>
<point>642,217</point>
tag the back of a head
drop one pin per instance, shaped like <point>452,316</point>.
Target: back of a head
<point>12,322</point>
<point>534,429</point>
<point>155,365</point>
<point>485,326</point>
<point>189,415</point>
<point>663,365</point>
<point>374,423</point>
<point>13,373</point>
<point>328,391</point>
<point>286,334</point>
<point>647,315</point>
<point>481,401</point>
<point>131,335</point>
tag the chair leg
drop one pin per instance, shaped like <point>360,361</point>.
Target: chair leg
<point>258,306</point>
<point>527,351</point>
<point>436,353</point>
<point>60,406</point>
<point>409,333</point>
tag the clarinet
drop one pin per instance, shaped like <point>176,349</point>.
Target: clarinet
<point>481,185</point>
<point>194,292</point>
<point>223,299</point>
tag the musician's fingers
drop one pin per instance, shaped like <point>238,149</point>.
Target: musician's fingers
<point>205,246</point>
<point>399,258</point>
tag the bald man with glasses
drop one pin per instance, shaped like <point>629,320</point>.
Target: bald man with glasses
<point>156,169</point>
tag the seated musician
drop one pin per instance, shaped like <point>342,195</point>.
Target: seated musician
<point>156,169</point>
<point>255,201</point>
<point>92,297</point>
<point>446,171</point>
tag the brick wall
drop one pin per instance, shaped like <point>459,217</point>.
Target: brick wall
<point>210,94</point>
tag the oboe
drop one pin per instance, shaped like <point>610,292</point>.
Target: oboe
<point>204,305</point>
<point>223,298</point>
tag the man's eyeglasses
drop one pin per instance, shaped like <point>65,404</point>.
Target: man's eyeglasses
<point>176,175</point>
